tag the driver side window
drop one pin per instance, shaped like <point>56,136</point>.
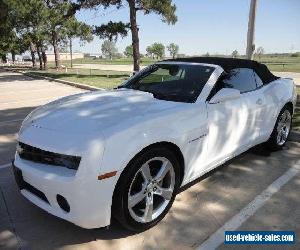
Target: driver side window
<point>241,79</point>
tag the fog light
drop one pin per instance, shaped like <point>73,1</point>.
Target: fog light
<point>62,202</point>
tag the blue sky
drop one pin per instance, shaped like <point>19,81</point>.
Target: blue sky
<point>214,26</point>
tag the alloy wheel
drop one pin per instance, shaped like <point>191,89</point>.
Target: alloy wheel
<point>151,189</point>
<point>283,127</point>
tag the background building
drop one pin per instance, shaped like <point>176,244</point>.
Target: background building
<point>64,56</point>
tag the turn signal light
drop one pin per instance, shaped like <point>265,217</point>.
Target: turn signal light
<point>107,175</point>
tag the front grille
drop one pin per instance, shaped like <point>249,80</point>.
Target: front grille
<point>24,185</point>
<point>37,155</point>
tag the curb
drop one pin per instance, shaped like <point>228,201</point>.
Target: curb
<point>73,84</point>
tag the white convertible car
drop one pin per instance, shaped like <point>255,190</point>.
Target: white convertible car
<point>126,152</point>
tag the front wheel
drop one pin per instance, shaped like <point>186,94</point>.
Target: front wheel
<point>281,130</point>
<point>147,189</point>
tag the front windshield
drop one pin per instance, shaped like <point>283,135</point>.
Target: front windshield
<point>171,82</point>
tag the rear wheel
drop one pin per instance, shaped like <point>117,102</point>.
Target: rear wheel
<point>146,189</point>
<point>281,130</point>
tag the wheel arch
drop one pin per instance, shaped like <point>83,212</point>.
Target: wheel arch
<point>290,106</point>
<point>169,145</point>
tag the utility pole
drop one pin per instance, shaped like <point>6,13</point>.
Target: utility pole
<point>251,29</point>
<point>71,53</point>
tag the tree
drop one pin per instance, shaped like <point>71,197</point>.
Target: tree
<point>77,29</point>
<point>235,54</point>
<point>40,22</point>
<point>32,19</point>
<point>296,54</point>
<point>5,27</point>
<point>112,30</point>
<point>59,14</point>
<point>9,40</point>
<point>173,49</point>
<point>109,49</point>
<point>128,51</point>
<point>157,50</point>
<point>165,8</point>
<point>150,52</point>
<point>28,23</point>
<point>260,51</point>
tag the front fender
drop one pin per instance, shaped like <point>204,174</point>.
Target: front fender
<point>123,147</point>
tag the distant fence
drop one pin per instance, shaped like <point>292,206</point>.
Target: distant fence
<point>92,72</point>
<point>284,66</point>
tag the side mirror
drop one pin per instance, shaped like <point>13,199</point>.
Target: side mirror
<point>225,94</point>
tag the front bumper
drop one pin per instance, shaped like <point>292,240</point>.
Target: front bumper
<point>89,201</point>
<point>88,198</point>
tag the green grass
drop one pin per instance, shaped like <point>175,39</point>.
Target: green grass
<point>284,67</point>
<point>283,63</point>
<point>277,59</point>
<point>97,78</point>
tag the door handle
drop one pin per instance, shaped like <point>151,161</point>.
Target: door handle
<point>259,101</point>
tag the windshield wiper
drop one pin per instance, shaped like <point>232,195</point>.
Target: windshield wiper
<point>121,87</point>
<point>173,97</point>
<point>163,96</point>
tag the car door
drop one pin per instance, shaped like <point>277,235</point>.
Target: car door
<point>232,124</point>
<point>266,104</point>
<point>251,90</point>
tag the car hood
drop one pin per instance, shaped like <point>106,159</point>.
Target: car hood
<point>97,110</point>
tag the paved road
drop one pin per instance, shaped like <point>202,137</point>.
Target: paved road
<point>293,75</point>
<point>198,212</point>
<point>18,96</point>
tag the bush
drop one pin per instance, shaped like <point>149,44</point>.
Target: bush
<point>297,54</point>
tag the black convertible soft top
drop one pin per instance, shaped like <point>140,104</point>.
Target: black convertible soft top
<point>231,63</point>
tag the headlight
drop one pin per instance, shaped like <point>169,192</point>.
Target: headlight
<point>37,155</point>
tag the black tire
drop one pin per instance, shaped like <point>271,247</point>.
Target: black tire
<point>120,210</point>
<point>272,143</point>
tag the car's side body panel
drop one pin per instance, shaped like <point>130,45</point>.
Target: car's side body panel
<point>276,94</point>
<point>187,133</point>
<point>205,141</point>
